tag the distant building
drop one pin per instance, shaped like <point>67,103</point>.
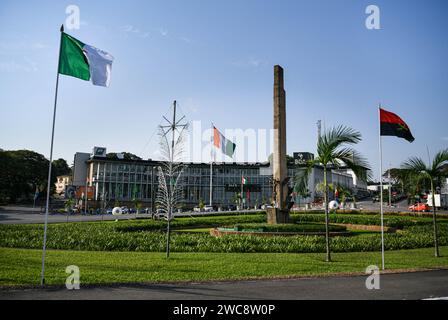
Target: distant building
<point>62,182</point>
<point>121,180</point>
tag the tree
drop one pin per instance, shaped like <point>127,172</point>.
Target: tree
<point>344,193</point>
<point>333,152</point>
<point>201,204</point>
<point>301,184</point>
<point>61,167</point>
<point>126,156</point>
<point>432,172</point>
<point>21,173</point>
<point>408,182</point>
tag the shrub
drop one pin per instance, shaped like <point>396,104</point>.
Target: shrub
<point>148,236</point>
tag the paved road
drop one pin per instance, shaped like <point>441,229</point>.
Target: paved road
<point>417,285</point>
<point>22,215</point>
<point>13,217</point>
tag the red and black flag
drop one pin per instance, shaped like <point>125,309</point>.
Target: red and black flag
<point>393,125</point>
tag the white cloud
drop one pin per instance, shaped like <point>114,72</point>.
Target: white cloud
<point>185,39</point>
<point>13,66</point>
<point>163,32</point>
<point>191,106</point>
<point>39,45</point>
<point>250,63</point>
<point>21,45</point>
<point>256,62</point>
<point>130,29</point>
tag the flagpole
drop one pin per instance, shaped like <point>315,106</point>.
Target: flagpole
<point>211,165</point>
<point>242,192</point>
<point>381,186</point>
<point>42,277</point>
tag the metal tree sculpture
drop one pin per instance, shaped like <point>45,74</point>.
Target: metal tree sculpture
<point>170,178</point>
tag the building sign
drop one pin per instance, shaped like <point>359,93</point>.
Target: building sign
<point>302,157</point>
<point>99,152</point>
<point>70,192</point>
<point>234,187</point>
<point>80,192</point>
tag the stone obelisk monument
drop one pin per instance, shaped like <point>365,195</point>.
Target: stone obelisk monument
<point>279,213</point>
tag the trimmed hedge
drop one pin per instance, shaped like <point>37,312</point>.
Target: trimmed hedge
<point>389,221</point>
<point>302,227</point>
<point>134,236</point>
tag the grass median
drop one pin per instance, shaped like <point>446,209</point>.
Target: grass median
<point>21,267</point>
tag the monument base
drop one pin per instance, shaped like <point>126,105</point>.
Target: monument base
<point>275,216</point>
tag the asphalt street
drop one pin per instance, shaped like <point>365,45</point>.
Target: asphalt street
<point>21,215</point>
<point>396,286</point>
<point>14,217</point>
<point>26,215</point>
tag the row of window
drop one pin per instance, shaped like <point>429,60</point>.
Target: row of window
<point>100,168</point>
<point>126,191</point>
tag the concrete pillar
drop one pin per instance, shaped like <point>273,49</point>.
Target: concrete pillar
<point>280,212</point>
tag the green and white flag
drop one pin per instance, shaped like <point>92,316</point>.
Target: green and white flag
<point>83,61</point>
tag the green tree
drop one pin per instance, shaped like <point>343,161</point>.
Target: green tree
<point>344,193</point>
<point>201,204</point>
<point>301,183</point>
<point>61,167</point>
<point>333,152</point>
<point>126,156</point>
<point>21,173</point>
<point>69,205</point>
<point>432,172</point>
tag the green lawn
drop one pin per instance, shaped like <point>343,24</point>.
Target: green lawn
<point>21,267</point>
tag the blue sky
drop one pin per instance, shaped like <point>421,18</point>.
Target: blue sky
<point>216,59</point>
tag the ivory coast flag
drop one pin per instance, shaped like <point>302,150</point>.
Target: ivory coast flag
<point>219,141</point>
<point>83,61</point>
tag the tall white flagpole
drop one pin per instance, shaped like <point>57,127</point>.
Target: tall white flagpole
<point>211,166</point>
<point>381,186</point>
<point>242,190</point>
<point>42,276</point>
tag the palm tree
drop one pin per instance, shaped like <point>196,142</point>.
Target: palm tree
<point>433,172</point>
<point>344,193</point>
<point>333,152</point>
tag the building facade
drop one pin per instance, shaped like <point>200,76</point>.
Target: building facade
<point>124,181</point>
<point>62,182</point>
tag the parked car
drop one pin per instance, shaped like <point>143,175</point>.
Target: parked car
<point>124,210</point>
<point>109,211</point>
<point>208,209</point>
<point>419,207</point>
<point>197,209</point>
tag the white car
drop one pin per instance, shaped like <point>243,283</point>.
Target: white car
<point>208,209</point>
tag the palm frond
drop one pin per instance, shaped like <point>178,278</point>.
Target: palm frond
<point>440,161</point>
<point>354,161</point>
<point>415,164</point>
<point>336,137</point>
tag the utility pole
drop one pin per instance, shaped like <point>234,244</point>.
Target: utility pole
<point>319,129</point>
